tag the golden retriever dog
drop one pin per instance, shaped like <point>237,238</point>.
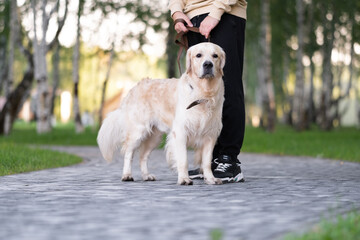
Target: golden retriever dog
<point>188,109</point>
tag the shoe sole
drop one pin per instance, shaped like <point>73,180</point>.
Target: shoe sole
<point>237,178</point>
<point>197,176</point>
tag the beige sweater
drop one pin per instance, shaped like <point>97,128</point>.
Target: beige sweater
<point>215,8</point>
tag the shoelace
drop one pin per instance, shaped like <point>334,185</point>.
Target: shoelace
<point>222,167</point>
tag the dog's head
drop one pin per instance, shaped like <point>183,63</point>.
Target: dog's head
<point>205,60</point>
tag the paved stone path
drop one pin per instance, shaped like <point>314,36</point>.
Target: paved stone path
<point>88,201</point>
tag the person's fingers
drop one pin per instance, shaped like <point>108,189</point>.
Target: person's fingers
<point>180,27</point>
<point>205,30</point>
<point>207,35</point>
<point>181,15</point>
<point>187,20</point>
<point>207,25</point>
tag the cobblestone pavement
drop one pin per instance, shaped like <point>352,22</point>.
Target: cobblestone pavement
<point>89,201</point>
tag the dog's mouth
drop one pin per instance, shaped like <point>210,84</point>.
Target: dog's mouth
<point>207,74</point>
<point>207,70</point>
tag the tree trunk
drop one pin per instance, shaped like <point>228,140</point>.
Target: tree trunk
<point>56,77</point>
<point>338,114</point>
<point>311,117</point>
<point>287,104</point>
<point>298,116</point>
<point>8,87</point>
<point>17,97</point>
<point>310,105</point>
<point>5,19</point>
<point>76,58</point>
<point>325,121</point>
<point>357,104</point>
<point>3,62</point>
<point>264,71</point>
<point>40,49</point>
<point>5,9</point>
<point>103,92</point>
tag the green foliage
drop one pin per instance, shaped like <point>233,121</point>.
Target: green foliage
<point>4,18</point>
<point>345,228</point>
<point>342,143</point>
<point>19,159</point>
<point>216,234</point>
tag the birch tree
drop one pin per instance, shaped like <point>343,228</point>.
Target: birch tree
<point>266,86</point>
<point>76,58</point>
<point>55,76</point>
<point>8,86</point>
<point>298,117</point>
<point>309,49</point>
<point>4,36</point>
<point>15,96</point>
<point>41,47</point>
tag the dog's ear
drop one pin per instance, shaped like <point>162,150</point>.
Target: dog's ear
<point>188,61</point>
<point>222,61</point>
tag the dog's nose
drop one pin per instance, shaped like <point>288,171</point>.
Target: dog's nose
<point>208,65</point>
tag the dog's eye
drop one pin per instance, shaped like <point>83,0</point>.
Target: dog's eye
<point>215,55</point>
<point>198,55</point>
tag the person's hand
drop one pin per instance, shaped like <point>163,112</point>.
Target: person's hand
<point>207,25</point>
<point>180,27</point>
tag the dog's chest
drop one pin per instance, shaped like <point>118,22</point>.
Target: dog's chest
<point>201,120</point>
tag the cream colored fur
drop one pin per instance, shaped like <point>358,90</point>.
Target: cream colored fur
<point>157,106</point>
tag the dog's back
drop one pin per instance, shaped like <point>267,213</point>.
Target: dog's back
<point>150,104</point>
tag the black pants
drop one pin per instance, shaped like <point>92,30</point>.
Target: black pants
<point>230,35</point>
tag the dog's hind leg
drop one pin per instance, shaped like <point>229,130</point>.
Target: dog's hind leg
<point>146,148</point>
<point>133,140</point>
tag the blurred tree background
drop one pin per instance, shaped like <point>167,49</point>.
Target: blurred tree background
<point>64,60</point>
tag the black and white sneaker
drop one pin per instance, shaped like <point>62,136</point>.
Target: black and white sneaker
<point>197,173</point>
<point>228,170</point>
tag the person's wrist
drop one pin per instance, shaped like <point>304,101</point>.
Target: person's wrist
<point>216,13</point>
<point>177,15</point>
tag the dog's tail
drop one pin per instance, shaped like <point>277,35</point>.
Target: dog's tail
<point>110,135</point>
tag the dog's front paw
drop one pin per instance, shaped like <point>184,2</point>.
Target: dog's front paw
<point>127,178</point>
<point>213,181</point>
<point>185,181</point>
<point>148,177</point>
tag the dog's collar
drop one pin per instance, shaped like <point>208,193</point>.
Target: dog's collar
<point>197,102</point>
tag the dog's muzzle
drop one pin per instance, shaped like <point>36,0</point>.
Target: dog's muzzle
<point>208,70</point>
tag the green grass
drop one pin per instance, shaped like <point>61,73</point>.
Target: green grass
<point>62,134</point>
<point>20,159</point>
<point>342,143</point>
<point>345,228</point>
<point>17,157</point>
